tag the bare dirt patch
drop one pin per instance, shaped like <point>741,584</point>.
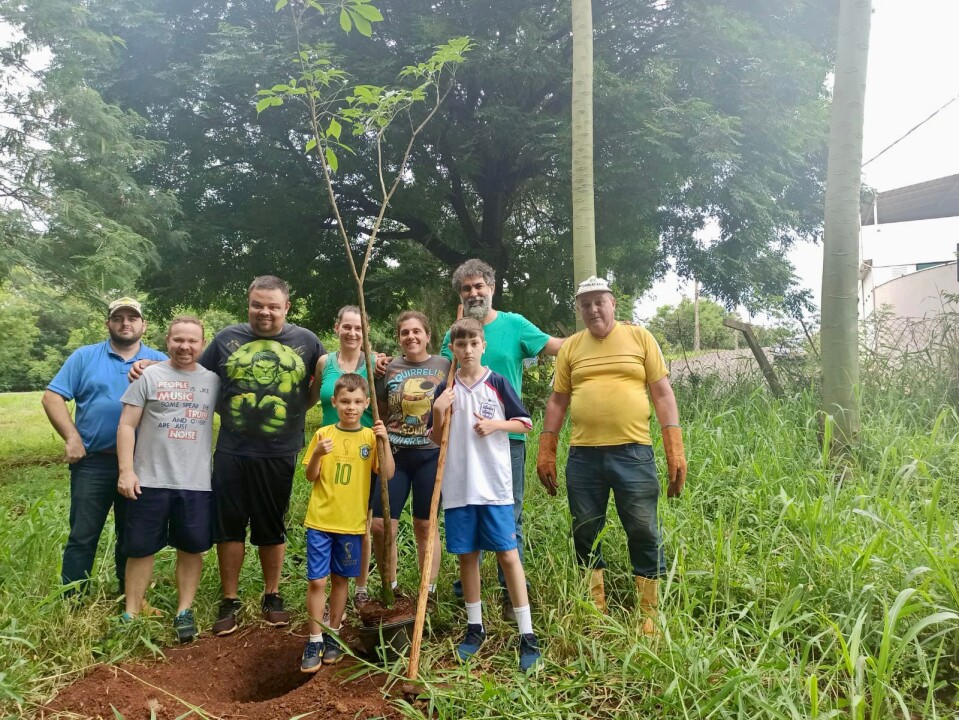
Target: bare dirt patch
<point>251,675</point>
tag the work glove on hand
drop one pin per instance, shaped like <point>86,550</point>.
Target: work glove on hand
<point>546,461</point>
<point>675,459</point>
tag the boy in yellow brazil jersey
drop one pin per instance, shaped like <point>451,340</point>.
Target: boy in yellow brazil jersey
<point>339,461</point>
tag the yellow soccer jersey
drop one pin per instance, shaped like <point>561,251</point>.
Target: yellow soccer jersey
<point>606,380</point>
<point>341,494</point>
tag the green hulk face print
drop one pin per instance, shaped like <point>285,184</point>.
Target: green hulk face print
<point>266,375</point>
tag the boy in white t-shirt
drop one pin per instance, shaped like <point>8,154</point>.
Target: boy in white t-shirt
<point>478,485</point>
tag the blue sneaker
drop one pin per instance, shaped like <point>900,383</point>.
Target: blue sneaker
<point>332,650</point>
<point>475,635</point>
<point>185,625</point>
<point>529,654</point>
<point>312,657</point>
<point>458,588</point>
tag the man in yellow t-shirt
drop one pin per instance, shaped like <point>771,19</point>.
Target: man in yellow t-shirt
<point>339,462</point>
<point>602,375</point>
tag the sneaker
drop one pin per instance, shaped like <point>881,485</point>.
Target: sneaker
<point>226,616</point>
<point>332,650</point>
<point>475,635</point>
<point>529,654</point>
<point>360,598</point>
<point>508,614</point>
<point>185,625</point>
<point>273,611</point>
<point>310,662</point>
<point>458,588</point>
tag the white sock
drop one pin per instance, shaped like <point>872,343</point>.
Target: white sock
<point>316,638</point>
<point>360,589</point>
<point>393,584</point>
<point>524,619</point>
<point>336,630</point>
<point>431,588</point>
<point>474,613</point>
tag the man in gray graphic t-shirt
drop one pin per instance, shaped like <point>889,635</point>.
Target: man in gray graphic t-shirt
<point>164,447</point>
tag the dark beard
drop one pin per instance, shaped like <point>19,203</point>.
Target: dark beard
<point>121,342</point>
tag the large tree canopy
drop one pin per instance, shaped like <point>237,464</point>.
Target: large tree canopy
<point>71,208</point>
<point>706,114</point>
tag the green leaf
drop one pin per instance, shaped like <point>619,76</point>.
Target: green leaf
<point>369,12</point>
<point>331,159</point>
<point>345,21</point>
<point>362,24</point>
<point>280,4</point>
<point>334,129</point>
<point>264,104</point>
<point>311,143</point>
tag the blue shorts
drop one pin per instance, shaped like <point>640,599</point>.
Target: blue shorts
<point>336,552</point>
<point>480,527</point>
<point>162,516</point>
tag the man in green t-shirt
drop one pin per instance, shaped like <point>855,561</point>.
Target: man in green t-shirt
<point>510,338</point>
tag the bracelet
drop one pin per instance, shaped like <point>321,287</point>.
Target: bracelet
<point>673,425</point>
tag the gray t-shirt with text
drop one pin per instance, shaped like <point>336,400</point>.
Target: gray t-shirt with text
<point>175,435</point>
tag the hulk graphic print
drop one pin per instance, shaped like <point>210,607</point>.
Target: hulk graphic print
<point>264,389</point>
<point>265,375</point>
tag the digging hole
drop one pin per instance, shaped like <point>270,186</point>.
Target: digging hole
<point>273,680</point>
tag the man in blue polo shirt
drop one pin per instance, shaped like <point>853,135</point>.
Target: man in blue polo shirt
<point>95,376</point>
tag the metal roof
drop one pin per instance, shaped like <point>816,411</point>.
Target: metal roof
<point>923,201</point>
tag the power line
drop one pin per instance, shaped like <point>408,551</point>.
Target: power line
<point>911,131</point>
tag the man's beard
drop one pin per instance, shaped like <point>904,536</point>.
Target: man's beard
<point>122,341</point>
<point>478,308</point>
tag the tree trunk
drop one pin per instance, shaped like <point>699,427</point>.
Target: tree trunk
<point>840,348</point>
<point>584,225</point>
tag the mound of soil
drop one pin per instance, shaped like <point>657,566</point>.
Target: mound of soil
<point>254,673</point>
<point>374,613</point>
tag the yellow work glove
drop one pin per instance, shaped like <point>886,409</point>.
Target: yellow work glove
<point>675,459</point>
<point>546,461</point>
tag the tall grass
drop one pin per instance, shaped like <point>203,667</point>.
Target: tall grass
<point>796,589</point>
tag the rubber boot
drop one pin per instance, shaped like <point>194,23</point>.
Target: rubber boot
<point>597,590</point>
<point>648,604</point>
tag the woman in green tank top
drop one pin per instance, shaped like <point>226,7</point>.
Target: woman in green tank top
<point>350,358</point>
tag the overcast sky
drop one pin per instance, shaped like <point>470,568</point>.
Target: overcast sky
<point>913,57</point>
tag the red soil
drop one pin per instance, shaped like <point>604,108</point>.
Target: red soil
<point>252,674</point>
<point>373,613</point>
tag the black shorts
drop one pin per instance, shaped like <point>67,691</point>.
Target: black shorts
<point>415,474</point>
<point>251,491</point>
<point>160,516</point>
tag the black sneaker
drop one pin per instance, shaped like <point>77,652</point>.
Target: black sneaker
<point>332,650</point>
<point>310,662</point>
<point>475,635</point>
<point>185,625</point>
<point>226,616</point>
<point>274,613</point>
<point>529,654</point>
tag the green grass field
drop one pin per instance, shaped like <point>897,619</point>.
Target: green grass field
<point>791,593</point>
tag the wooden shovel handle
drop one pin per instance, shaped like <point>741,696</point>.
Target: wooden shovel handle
<point>412,669</point>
